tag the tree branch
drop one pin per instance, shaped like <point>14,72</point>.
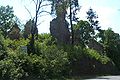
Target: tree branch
<point>28,12</point>
<point>42,15</point>
<point>45,5</point>
<point>40,23</point>
<point>38,8</point>
<point>44,12</point>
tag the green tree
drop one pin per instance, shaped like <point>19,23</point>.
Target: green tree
<point>94,23</point>
<point>111,41</point>
<point>92,19</point>
<point>74,6</point>
<point>39,5</point>
<point>82,32</point>
<point>6,19</point>
<point>86,30</point>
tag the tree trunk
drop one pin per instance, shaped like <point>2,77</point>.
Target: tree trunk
<point>72,32</point>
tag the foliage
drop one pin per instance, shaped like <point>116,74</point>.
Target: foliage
<point>9,70</point>
<point>101,36</point>
<point>57,58</point>
<point>47,39</point>
<point>39,9</point>
<point>15,44</point>
<point>94,54</point>
<point>92,18</point>
<point>85,30</point>
<point>50,61</point>
<point>82,32</point>
<point>60,8</point>
<point>74,52</point>
<point>74,7</point>
<point>3,52</point>
<point>22,66</point>
<point>111,43</point>
<point>6,18</point>
<point>55,9</point>
<point>65,5</point>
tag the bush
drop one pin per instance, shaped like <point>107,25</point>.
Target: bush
<point>74,52</point>
<point>46,39</point>
<point>11,68</point>
<point>56,59</point>
<point>49,63</point>
<point>3,52</point>
<point>9,71</point>
<point>15,44</point>
<point>94,54</point>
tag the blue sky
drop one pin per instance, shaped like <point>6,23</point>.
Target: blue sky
<point>107,10</point>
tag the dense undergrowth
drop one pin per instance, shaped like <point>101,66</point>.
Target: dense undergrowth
<point>50,60</point>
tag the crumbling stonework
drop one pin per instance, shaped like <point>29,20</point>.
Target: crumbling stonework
<point>59,29</point>
<point>14,32</point>
<point>59,26</point>
<point>28,28</point>
<point>93,44</point>
<point>87,66</point>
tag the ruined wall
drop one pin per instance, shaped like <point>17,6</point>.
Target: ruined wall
<point>93,44</point>
<point>14,33</point>
<point>59,29</point>
<point>29,28</point>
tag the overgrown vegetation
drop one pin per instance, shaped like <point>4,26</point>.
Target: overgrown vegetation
<point>52,59</point>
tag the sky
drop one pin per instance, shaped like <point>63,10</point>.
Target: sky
<point>108,12</point>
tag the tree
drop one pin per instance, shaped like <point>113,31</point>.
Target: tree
<point>111,42</point>
<point>6,19</point>
<point>92,19</point>
<point>34,30</point>
<point>101,36</point>
<point>82,32</point>
<point>74,6</point>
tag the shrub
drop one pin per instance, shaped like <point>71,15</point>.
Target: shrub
<point>9,71</point>
<point>50,63</point>
<point>15,44</point>
<point>3,52</point>
<point>94,54</point>
<point>56,59</point>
